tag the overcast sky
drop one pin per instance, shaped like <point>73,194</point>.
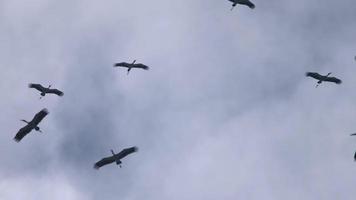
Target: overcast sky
<point>225,112</point>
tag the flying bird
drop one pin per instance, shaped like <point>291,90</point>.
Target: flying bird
<point>322,78</point>
<point>115,157</point>
<point>44,90</point>
<point>33,124</point>
<point>131,65</point>
<point>242,2</point>
<point>355,152</point>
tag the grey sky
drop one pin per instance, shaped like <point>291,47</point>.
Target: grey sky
<point>224,113</point>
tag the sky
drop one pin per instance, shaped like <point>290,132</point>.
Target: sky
<point>225,111</point>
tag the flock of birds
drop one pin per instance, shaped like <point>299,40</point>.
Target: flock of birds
<point>33,124</point>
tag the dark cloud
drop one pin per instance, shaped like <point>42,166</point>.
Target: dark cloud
<point>225,111</point>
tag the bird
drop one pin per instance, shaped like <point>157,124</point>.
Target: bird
<point>131,65</point>
<point>44,90</point>
<point>115,157</point>
<point>353,134</point>
<point>33,124</point>
<point>322,78</point>
<point>242,2</point>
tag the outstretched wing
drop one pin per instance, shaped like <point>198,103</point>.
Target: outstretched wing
<point>333,79</point>
<point>39,116</point>
<point>314,75</point>
<point>122,64</point>
<point>37,87</point>
<point>22,133</point>
<point>55,91</point>
<point>126,152</point>
<point>248,3</point>
<point>104,161</point>
<point>141,66</point>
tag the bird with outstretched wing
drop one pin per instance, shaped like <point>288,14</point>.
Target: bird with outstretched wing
<point>44,90</point>
<point>115,157</point>
<point>33,124</point>
<point>322,78</point>
<point>242,2</point>
<point>131,65</point>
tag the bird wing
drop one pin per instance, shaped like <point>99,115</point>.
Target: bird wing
<point>314,75</point>
<point>248,3</point>
<point>141,66</point>
<point>38,87</point>
<point>333,79</point>
<point>104,161</point>
<point>56,91</point>
<point>22,133</point>
<point>126,152</point>
<point>39,116</point>
<point>122,64</point>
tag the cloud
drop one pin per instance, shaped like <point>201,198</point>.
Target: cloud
<point>225,111</point>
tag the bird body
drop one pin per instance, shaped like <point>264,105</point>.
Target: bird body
<point>131,65</point>
<point>242,2</point>
<point>115,157</point>
<point>322,78</point>
<point>33,124</point>
<point>44,90</point>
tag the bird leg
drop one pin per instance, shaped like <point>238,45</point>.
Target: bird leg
<point>133,62</point>
<point>112,151</point>
<point>233,6</point>
<point>49,86</point>
<point>128,70</point>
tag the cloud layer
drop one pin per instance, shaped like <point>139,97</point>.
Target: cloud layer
<point>224,113</point>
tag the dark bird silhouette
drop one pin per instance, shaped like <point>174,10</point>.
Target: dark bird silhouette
<point>44,90</point>
<point>355,152</point>
<point>322,78</point>
<point>33,124</point>
<point>115,157</point>
<point>131,65</point>
<point>242,2</point>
